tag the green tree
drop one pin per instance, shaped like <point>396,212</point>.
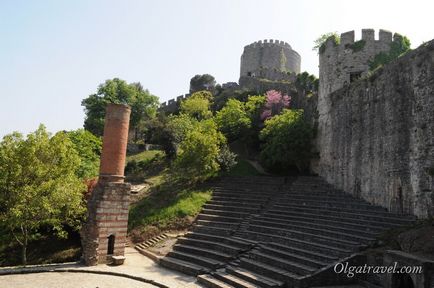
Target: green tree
<point>197,106</point>
<point>202,82</point>
<point>319,43</point>
<point>39,186</point>
<point>143,104</point>
<point>88,147</point>
<point>233,120</point>
<point>286,141</point>
<point>198,154</point>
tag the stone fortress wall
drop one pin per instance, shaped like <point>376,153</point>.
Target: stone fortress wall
<point>269,55</point>
<point>376,135</point>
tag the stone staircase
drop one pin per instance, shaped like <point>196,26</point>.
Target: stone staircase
<point>277,232</point>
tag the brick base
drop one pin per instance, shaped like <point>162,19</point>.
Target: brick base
<point>107,217</point>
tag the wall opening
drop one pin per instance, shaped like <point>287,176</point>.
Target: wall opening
<point>111,245</point>
<point>354,76</point>
<point>249,74</point>
<point>402,281</point>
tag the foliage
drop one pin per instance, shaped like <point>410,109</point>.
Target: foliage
<point>308,83</point>
<point>319,43</point>
<point>198,152</point>
<point>275,103</point>
<point>399,46</point>
<point>226,159</point>
<point>88,147</point>
<point>233,120</point>
<point>197,106</point>
<point>38,185</point>
<point>287,141</point>
<point>143,104</point>
<point>202,82</point>
<point>221,98</point>
<point>243,168</point>
<point>138,164</point>
<point>357,46</point>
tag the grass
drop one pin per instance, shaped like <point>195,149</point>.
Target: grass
<point>242,168</point>
<point>144,156</point>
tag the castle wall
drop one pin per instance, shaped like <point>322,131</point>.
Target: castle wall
<point>272,54</point>
<point>376,136</point>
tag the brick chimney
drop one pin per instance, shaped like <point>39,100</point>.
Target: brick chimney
<point>104,234</point>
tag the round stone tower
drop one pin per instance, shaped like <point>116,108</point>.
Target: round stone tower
<point>272,55</point>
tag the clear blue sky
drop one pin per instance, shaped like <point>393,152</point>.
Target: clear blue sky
<point>55,53</point>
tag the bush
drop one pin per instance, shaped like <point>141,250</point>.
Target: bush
<point>399,46</point>
<point>198,152</point>
<point>197,105</point>
<point>286,141</point>
<point>226,159</point>
<point>232,120</point>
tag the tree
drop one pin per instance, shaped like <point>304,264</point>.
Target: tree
<point>199,151</point>
<point>39,186</point>
<point>197,106</point>
<point>88,147</point>
<point>275,103</point>
<point>233,120</point>
<point>143,104</point>
<point>286,141</point>
<point>202,82</point>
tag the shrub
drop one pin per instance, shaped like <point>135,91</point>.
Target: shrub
<point>286,141</point>
<point>226,159</point>
<point>275,103</point>
<point>232,120</point>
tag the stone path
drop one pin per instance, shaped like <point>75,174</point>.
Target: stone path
<point>135,265</point>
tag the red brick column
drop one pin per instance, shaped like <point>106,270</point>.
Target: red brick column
<point>114,143</point>
<point>109,201</point>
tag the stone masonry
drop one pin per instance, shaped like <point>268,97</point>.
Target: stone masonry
<point>104,234</point>
<point>376,135</point>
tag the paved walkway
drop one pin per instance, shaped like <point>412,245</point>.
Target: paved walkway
<point>135,265</point>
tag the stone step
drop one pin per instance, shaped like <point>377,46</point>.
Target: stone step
<point>183,266</point>
<point>214,230</point>
<point>297,243</point>
<point>341,209</point>
<point>195,259</point>
<point>260,280</point>
<point>323,258</point>
<point>344,214</point>
<point>269,271</point>
<point>205,252</point>
<point>218,246</point>
<point>234,280</point>
<point>224,213</point>
<point>292,256</point>
<point>371,230</point>
<point>252,204</point>
<point>235,196</point>
<point>326,230</point>
<point>346,204</point>
<point>209,281</point>
<point>230,221</point>
<point>318,197</point>
<point>380,226</point>
<point>322,239</point>
<point>286,264</point>
<point>231,241</point>
<point>246,200</point>
<point>232,207</point>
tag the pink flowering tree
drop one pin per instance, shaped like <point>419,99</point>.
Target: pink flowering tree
<point>274,104</point>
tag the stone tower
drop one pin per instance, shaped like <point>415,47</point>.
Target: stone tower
<point>104,234</point>
<point>339,65</point>
<point>266,57</point>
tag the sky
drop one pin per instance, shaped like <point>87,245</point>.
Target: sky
<point>54,53</point>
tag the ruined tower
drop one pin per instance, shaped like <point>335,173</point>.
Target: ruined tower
<point>104,234</point>
<point>264,58</point>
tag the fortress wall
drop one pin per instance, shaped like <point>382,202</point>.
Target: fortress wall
<point>376,137</point>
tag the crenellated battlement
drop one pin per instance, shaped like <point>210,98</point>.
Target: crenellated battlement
<point>268,43</point>
<point>172,104</point>
<point>368,36</point>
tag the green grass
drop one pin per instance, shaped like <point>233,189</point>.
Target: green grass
<point>243,168</point>
<point>144,156</point>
